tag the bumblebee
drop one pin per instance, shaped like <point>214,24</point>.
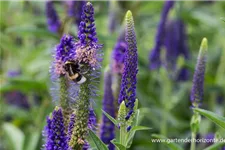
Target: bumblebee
<point>73,72</point>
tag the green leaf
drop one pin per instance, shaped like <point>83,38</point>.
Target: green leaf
<point>31,30</point>
<point>171,145</point>
<point>114,121</point>
<point>138,128</point>
<point>118,145</point>
<point>98,143</point>
<point>15,135</point>
<point>33,141</point>
<point>223,19</point>
<point>219,120</point>
<point>215,146</point>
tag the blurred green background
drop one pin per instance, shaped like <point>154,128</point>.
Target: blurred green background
<point>26,46</point>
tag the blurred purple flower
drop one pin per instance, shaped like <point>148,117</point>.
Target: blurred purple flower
<point>15,97</point>
<point>128,83</point>
<point>154,56</point>
<point>198,79</point>
<point>53,20</point>
<point>75,10</point>
<point>209,137</point>
<point>176,45</point>
<point>55,131</point>
<point>107,132</point>
<point>118,54</point>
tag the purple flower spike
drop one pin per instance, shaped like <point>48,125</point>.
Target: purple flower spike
<point>87,30</point>
<point>154,56</point>
<point>198,80</point>
<point>118,55</point>
<point>87,48</point>
<point>54,23</point>
<point>128,84</point>
<point>75,10</point>
<point>176,45</point>
<point>64,51</point>
<point>55,131</point>
<point>107,127</point>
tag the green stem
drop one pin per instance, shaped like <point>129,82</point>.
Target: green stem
<point>82,115</point>
<point>122,135</point>
<point>63,100</point>
<point>163,129</point>
<point>193,143</point>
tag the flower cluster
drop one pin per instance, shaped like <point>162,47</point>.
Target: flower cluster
<point>198,80</point>
<point>128,84</point>
<point>154,56</point>
<point>55,131</point>
<point>65,51</point>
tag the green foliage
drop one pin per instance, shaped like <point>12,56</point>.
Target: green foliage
<point>217,119</point>
<point>98,143</point>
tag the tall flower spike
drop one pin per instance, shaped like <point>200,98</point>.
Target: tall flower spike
<point>154,56</point>
<point>55,131</point>
<point>88,55</point>
<point>53,20</point>
<point>128,85</point>
<point>176,45</point>
<point>198,80</point>
<point>87,49</point>
<point>107,132</point>
<point>75,10</point>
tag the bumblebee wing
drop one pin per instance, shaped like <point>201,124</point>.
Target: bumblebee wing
<point>82,80</point>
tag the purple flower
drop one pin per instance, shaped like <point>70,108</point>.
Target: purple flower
<point>198,80</point>
<point>87,30</point>
<point>65,51</point>
<point>107,132</point>
<point>210,138</point>
<point>54,23</point>
<point>75,10</point>
<point>87,48</point>
<point>118,54</point>
<point>55,131</point>
<point>154,56</point>
<point>176,45</point>
<point>128,84</point>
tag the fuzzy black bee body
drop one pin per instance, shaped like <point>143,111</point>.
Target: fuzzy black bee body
<point>73,72</point>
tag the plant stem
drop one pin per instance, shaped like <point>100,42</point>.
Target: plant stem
<point>122,135</point>
<point>193,143</point>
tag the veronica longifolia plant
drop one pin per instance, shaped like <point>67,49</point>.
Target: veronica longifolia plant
<point>198,88</point>
<point>74,97</point>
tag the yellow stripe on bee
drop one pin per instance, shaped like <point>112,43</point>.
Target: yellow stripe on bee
<point>74,76</point>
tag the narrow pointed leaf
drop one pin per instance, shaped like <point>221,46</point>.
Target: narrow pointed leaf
<point>138,128</point>
<point>98,143</point>
<point>217,119</point>
<point>15,135</point>
<point>118,145</point>
<point>110,118</point>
